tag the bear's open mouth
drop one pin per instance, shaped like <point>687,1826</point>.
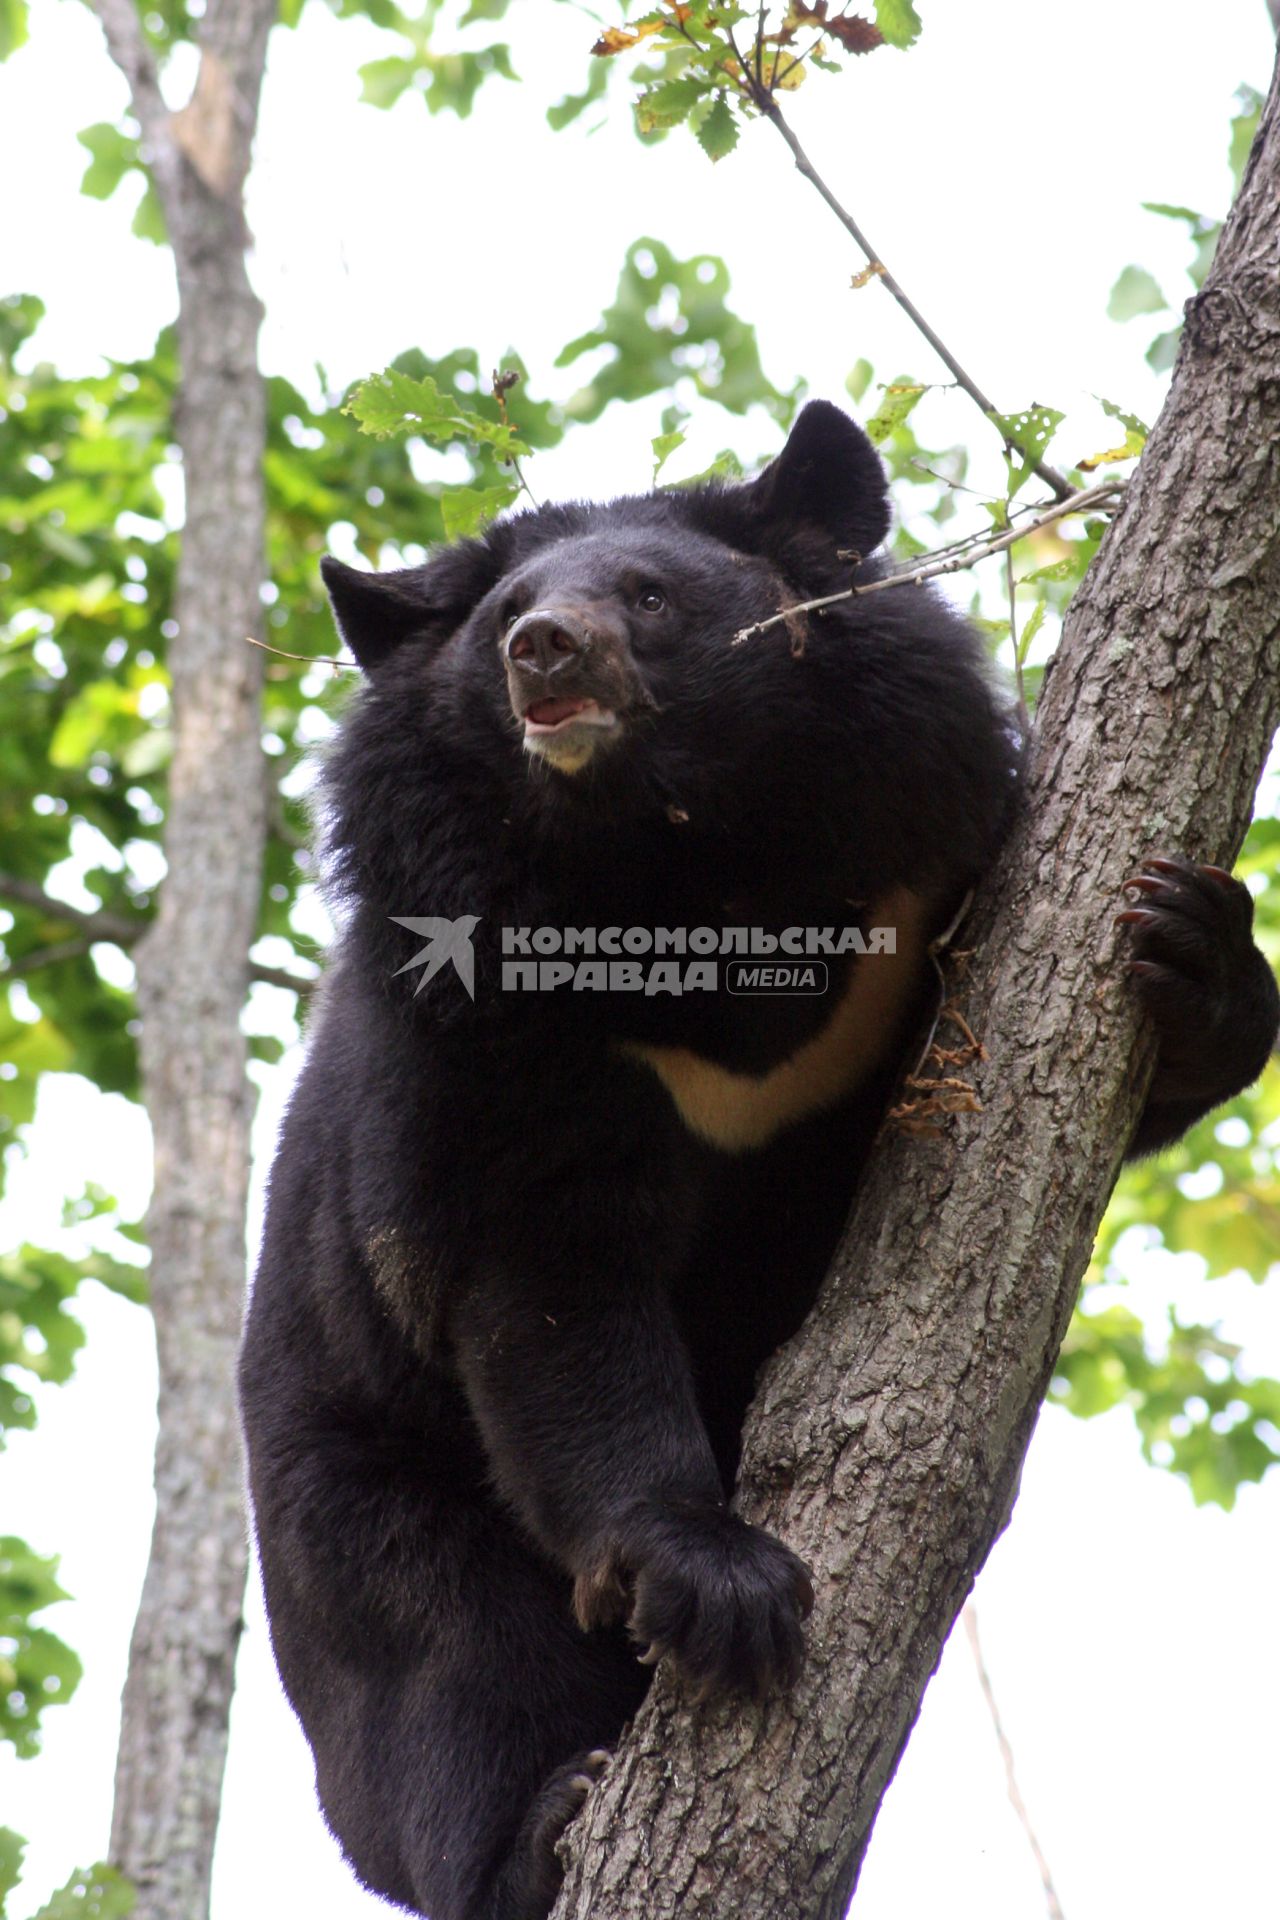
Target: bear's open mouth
<point>555,716</point>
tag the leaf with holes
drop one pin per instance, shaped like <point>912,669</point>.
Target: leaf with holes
<point>1027,437</point>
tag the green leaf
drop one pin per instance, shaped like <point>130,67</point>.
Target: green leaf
<point>669,440</point>
<point>12,1848</point>
<point>725,466</point>
<point>1135,292</point>
<point>13,26</point>
<point>1130,421</point>
<point>574,104</point>
<point>114,154</point>
<point>148,220</point>
<point>392,402</point>
<point>1163,351</point>
<point>1030,433</point>
<point>717,129</point>
<point>898,21</point>
<point>899,401</point>
<point>670,103</point>
<point>668,322</point>
<point>1029,632</point>
<point>1135,439</point>
<point>383,81</point>
<point>448,82</point>
<point>94,1893</point>
<point>36,1669</point>
<point>858,379</point>
<point>1167,211</point>
<point>1244,129</point>
<point>467,509</point>
<point>1202,230</point>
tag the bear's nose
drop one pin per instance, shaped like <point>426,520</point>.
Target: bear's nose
<point>542,641</point>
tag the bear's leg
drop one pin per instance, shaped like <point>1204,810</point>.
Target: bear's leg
<point>497,1740</point>
<point>451,1699</point>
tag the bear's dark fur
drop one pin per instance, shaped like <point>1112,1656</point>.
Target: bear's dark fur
<point>526,1252</point>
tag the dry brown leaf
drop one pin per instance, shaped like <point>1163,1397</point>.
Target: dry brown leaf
<point>615,40</point>
<point>855,34</point>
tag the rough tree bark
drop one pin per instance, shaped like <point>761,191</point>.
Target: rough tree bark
<point>887,1439</point>
<point>193,972</point>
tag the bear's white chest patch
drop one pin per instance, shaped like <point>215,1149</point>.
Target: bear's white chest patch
<point>739,1112</point>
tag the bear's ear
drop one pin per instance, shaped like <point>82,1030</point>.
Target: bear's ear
<point>827,476</point>
<point>375,612</point>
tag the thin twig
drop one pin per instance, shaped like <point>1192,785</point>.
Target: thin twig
<point>1051,1900</point>
<point>112,929</point>
<point>932,569</point>
<point>502,384</point>
<point>944,480</point>
<point>937,947</point>
<point>307,659</point>
<point>1010,588</point>
<point>767,104</point>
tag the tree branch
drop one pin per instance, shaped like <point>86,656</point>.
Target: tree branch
<point>43,957</point>
<point>128,47</point>
<point>299,983</point>
<point>114,929</point>
<point>98,922</point>
<point>887,1439</point>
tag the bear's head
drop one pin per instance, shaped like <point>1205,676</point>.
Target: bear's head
<point>568,633</point>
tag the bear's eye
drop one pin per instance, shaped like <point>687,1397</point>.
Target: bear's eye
<point>651,600</point>
<point>509,618</point>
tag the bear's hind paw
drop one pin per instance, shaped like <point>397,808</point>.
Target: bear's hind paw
<point>534,1873</point>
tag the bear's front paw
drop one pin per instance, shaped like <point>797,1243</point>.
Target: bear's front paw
<point>1202,979</point>
<point>724,1599</point>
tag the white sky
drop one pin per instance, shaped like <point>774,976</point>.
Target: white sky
<point>1001,167</point>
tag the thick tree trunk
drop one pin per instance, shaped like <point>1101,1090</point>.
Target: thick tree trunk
<point>887,1439</point>
<point>193,976</point>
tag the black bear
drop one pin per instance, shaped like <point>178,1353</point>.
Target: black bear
<point>554,1183</point>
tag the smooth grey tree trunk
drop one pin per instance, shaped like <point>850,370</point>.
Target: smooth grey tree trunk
<point>193,973</point>
<point>887,1439</point>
